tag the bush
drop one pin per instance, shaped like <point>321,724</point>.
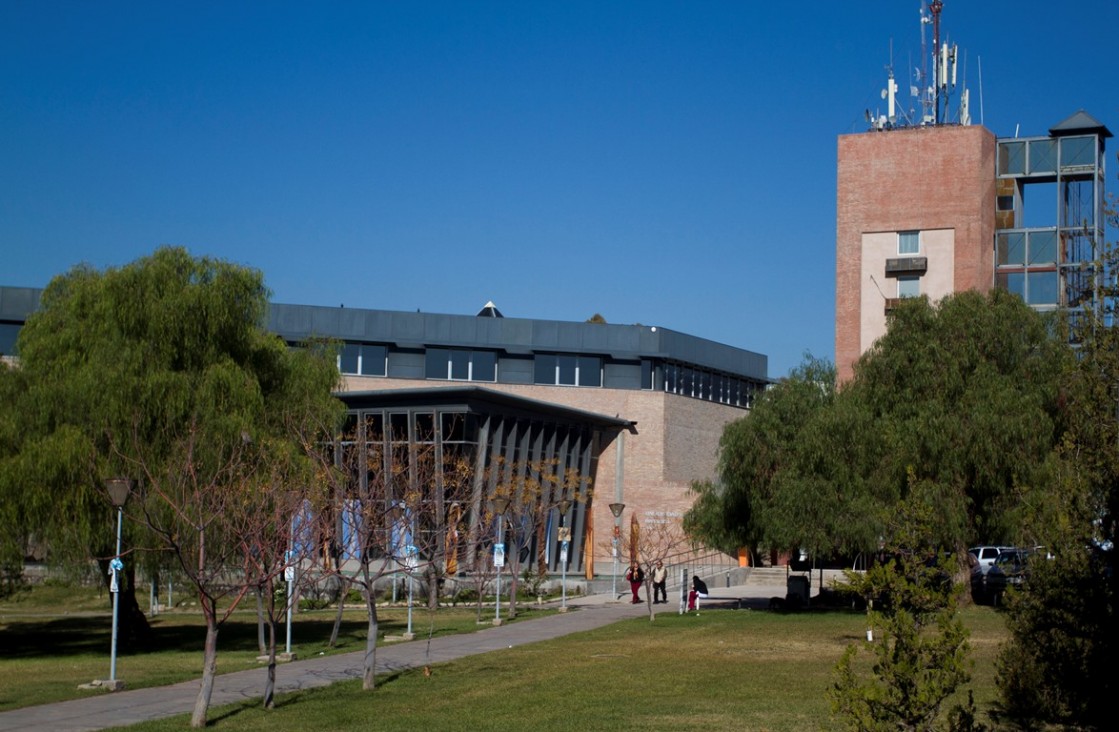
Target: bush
<point>1059,665</point>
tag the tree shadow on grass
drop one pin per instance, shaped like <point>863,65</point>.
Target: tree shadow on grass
<point>76,636</point>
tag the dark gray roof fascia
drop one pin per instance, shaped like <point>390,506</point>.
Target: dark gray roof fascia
<point>511,335</point>
<point>517,336</point>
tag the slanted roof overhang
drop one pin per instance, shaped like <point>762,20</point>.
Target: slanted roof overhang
<point>482,400</point>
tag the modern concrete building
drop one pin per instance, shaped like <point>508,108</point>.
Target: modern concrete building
<point>935,209</point>
<point>635,410</point>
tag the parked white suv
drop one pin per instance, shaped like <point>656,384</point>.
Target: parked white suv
<point>985,556</point>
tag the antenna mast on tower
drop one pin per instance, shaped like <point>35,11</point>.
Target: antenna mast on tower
<point>933,87</point>
<point>934,9</point>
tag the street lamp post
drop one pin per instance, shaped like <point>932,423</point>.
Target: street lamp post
<point>118,488</point>
<point>565,536</point>
<point>500,503</point>
<point>616,509</point>
<point>411,561</point>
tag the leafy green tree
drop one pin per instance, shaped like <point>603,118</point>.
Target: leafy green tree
<point>960,398</point>
<point>753,453</point>
<point>162,371</point>
<point>966,395</point>
<point>1059,665</point>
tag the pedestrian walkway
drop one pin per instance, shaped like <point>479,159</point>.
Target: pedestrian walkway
<point>129,707</point>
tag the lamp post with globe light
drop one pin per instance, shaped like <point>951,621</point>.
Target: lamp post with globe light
<point>500,503</point>
<point>564,537</point>
<point>119,490</point>
<point>616,509</point>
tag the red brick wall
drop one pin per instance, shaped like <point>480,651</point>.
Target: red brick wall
<point>911,179</point>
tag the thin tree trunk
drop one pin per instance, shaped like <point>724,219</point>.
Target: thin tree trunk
<point>338,615</point>
<point>209,667</point>
<point>433,574</point>
<point>260,642</point>
<point>270,679</point>
<point>369,667</point>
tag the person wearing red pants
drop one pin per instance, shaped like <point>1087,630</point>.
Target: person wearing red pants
<point>699,589</point>
<point>636,577</point>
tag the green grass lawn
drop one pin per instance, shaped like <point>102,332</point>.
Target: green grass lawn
<point>56,638</point>
<point>724,669</point>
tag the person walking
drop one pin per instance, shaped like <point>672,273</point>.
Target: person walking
<point>636,577</point>
<point>660,583</point>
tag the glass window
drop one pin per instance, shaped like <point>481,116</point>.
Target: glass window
<point>590,371</point>
<point>435,363</point>
<point>1042,288</point>
<point>483,366</point>
<point>398,427</point>
<point>1011,248</point>
<point>909,286</point>
<point>453,426</point>
<point>545,369</point>
<point>670,378</point>
<point>1043,156</point>
<point>687,383</point>
<point>425,427</point>
<point>347,360</point>
<point>374,427</point>
<point>1078,150</point>
<point>1013,282</point>
<point>909,242</point>
<point>1043,247</point>
<point>1012,158</point>
<point>646,374</point>
<point>460,365</point>
<point>1005,203</point>
<point>566,370</point>
<point>9,333</point>
<point>373,360</point>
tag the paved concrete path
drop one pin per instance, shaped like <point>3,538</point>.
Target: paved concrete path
<point>129,707</point>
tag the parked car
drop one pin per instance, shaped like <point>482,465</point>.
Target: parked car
<point>982,559</point>
<point>1011,569</point>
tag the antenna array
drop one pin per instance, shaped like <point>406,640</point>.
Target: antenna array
<point>932,89</point>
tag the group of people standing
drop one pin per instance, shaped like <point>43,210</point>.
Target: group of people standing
<point>635,575</point>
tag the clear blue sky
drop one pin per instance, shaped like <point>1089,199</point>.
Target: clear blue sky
<point>661,163</point>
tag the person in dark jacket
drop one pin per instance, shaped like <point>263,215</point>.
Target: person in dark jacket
<point>636,577</point>
<point>699,589</point>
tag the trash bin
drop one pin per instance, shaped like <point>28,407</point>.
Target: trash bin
<point>797,591</point>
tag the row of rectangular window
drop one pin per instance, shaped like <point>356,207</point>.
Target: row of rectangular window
<point>567,370</point>
<point>708,385</point>
<point>557,370</point>
<point>363,359</point>
<point>1039,156</point>
<point>455,364</point>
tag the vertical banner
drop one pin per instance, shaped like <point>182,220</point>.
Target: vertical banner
<point>351,529</point>
<point>450,548</point>
<point>400,541</point>
<point>303,532</point>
